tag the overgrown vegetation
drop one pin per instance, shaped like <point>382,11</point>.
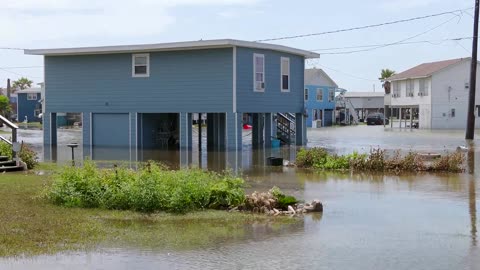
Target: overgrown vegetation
<point>151,188</point>
<point>26,154</point>
<point>378,161</point>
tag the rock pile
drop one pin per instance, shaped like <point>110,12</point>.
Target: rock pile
<point>267,203</point>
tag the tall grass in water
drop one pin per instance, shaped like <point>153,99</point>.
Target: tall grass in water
<point>152,188</point>
<point>378,161</point>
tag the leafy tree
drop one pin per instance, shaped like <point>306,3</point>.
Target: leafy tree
<point>22,83</point>
<point>384,75</point>
<point>4,105</point>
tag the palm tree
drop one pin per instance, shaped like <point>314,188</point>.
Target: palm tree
<point>22,83</point>
<point>384,75</point>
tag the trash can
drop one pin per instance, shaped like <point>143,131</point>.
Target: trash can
<point>274,161</point>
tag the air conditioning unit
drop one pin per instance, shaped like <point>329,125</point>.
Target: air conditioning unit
<point>259,85</point>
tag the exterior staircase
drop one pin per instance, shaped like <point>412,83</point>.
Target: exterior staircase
<point>286,128</point>
<point>7,165</point>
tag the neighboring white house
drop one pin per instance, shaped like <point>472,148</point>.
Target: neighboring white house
<point>366,102</point>
<point>436,94</point>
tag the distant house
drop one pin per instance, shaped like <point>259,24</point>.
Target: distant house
<point>366,102</point>
<point>220,78</point>
<point>319,98</point>
<point>434,94</point>
<point>29,106</point>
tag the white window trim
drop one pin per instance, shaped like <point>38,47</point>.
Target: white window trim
<point>148,65</point>
<point>255,55</point>
<point>281,74</point>
<point>321,91</point>
<point>29,96</point>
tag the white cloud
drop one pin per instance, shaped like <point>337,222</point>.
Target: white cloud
<point>24,21</point>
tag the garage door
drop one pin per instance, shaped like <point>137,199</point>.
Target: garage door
<point>110,136</point>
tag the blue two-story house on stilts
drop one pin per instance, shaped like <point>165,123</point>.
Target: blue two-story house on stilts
<point>319,98</point>
<point>29,106</point>
<point>142,97</point>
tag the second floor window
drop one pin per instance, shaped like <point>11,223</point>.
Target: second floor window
<point>410,87</point>
<point>331,95</point>
<point>285,74</point>
<point>259,72</point>
<point>306,94</point>
<point>423,88</point>
<point>31,96</point>
<point>319,94</point>
<point>141,65</point>
<point>396,89</point>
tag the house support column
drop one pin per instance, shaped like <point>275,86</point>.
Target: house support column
<point>268,130</point>
<point>133,137</point>
<point>300,129</point>
<point>257,130</point>
<point>50,136</point>
<point>234,140</point>
<point>411,118</point>
<point>400,117</point>
<point>185,135</point>
<point>87,134</point>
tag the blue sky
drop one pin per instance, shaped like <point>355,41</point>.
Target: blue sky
<point>74,23</point>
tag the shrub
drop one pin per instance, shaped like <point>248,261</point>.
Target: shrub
<point>378,161</point>
<point>452,162</point>
<point>28,156</point>
<point>5,149</point>
<point>309,157</point>
<point>150,189</point>
<point>283,201</point>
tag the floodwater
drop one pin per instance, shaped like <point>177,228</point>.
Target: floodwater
<point>412,221</point>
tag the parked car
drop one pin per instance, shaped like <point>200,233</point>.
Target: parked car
<point>376,119</point>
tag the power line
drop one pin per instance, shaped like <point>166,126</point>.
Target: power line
<point>367,26</point>
<point>21,67</point>
<point>348,74</point>
<point>393,43</point>
<point>12,48</point>
<point>439,41</point>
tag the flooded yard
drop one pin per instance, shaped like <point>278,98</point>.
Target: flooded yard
<point>413,221</point>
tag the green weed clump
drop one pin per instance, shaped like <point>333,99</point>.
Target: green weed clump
<point>282,200</point>
<point>152,188</point>
<point>378,161</point>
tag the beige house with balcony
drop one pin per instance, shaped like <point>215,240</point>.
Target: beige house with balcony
<point>433,95</point>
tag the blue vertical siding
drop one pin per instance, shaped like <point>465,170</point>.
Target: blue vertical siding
<point>27,107</point>
<point>272,99</point>
<point>312,103</point>
<point>191,81</point>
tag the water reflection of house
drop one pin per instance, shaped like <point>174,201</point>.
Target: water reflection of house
<point>29,106</point>
<point>319,98</point>
<point>220,78</point>
<point>433,95</point>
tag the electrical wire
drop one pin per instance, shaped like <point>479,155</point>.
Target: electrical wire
<point>455,12</point>
<point>397,42</point>
<point>433,42</point>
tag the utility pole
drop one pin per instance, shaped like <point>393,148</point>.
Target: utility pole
<point>470,132</point>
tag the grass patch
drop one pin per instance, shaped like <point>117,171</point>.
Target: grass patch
<point>378,161</point>
<point>30,225</point>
